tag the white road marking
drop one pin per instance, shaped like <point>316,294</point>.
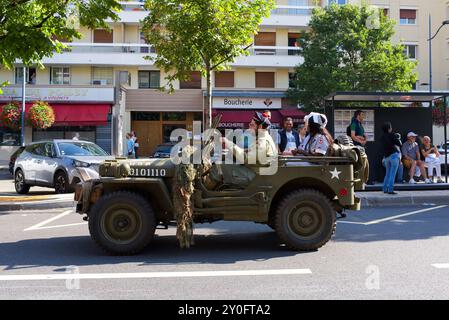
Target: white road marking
<point>441,265</point>
<point>404,215</point>
<point>148,275</point>
<point>369,223</point>
<point>43,223</point>
<point>63,225</point>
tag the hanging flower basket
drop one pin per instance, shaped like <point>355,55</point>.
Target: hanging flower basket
<point>438,113</point>
<point>41,115</point>
<point>11,115</point>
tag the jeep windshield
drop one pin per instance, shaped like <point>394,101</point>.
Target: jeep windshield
<point>80,149</point>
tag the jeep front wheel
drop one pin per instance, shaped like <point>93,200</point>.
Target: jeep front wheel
<point>305,220</point>
<point>122,223</point>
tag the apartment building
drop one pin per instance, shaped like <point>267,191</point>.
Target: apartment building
<point>104,87</point>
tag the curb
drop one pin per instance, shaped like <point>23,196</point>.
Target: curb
<point>379,201</point>
<point>40,205</point>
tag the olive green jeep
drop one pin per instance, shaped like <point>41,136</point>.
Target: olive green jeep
<point>300,201</point>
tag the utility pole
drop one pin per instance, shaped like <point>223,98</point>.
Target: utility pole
<point>23,106</point>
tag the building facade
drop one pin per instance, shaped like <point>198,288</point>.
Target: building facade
<point>104,87</point>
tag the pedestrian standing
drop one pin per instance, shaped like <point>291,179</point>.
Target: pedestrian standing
<point>130,146</point>
<point>392,155</point>
<point>356,130</point>
<point>136,144</point>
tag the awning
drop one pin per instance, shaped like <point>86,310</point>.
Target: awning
<point>79,114</point>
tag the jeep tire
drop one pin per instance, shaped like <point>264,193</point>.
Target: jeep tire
<point>122,223</point>
<point>305,220</point>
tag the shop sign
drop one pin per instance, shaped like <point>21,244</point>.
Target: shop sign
<point>247,103</point>
<point>55,94</point>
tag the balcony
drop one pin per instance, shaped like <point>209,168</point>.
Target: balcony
<point>133,54</point>
<point>123,54</point>
<point>282,16</point>
<point>265,56</point>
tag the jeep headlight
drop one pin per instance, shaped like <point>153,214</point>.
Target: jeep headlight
<point>80,164</point>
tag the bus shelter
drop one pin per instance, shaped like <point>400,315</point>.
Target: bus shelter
<point>407,111</point>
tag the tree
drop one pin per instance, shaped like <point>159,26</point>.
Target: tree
<point>349,48</point>
<point>201,35</point>
<point>30,29</point>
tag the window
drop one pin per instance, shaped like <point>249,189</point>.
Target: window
<point>103,36</point>
<point>224,79</point>
<point>30,75</point>
<point>291,80</point>
<point>386,12</point>
<point>9,137</point>
<point>193,83</point>
<point>102,76</point>
<point>145,116</point>
<point>337,2</point>
<point>149,79</point>
<point>293,42</point>
<point>59,75</point>
<point>407,16</point>
<point>265,39</point>
<point>174,116</point>
<point>414,85</point>
<point>410,51</point>
<point>264,79</point>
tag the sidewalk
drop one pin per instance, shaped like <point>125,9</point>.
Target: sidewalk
<point>403,198</point>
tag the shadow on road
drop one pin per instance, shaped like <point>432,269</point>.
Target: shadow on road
<point>164,250</point>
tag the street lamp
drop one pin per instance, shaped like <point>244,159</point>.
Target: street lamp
<point>445,22</point>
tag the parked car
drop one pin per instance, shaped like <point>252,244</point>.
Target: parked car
<point>164,150</point>
<point>55,164</point>
<point>12,159</point>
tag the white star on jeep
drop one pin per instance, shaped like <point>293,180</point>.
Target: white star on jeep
<point>335,174</point>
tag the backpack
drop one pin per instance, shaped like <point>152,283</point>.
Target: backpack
<point>348,131</point>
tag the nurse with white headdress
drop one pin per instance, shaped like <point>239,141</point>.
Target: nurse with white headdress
<point>319,140</point>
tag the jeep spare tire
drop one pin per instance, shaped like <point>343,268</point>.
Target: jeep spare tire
<point>122,223</point>
<point>305,220</point>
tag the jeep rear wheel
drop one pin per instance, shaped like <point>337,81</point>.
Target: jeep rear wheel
<point>122,223</point>
<point>305,220</point>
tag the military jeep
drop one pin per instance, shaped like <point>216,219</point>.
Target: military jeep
<point>300,202</point>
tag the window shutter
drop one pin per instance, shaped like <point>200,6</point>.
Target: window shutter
<point>408,14</point>
<point>193,83</point>
<point>224,79</point>
<point>265,39</point>
<point>264,79</point>
<point>103,36</point>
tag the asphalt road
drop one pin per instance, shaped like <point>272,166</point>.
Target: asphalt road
<point>392,253</point>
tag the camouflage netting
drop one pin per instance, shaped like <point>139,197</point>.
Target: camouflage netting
<point>183,189</point>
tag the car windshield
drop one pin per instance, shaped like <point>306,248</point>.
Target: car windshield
<point>80,149</point>
<point>164,149</point>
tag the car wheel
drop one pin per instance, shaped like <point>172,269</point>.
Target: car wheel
<point>61,183</point>
<point>19,183</point>
<point>305,220</point>
<point>122,223</point>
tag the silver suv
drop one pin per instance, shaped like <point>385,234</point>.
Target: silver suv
<point>54,164</point>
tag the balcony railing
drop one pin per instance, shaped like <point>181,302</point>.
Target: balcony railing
<point>135,48</point>
<point>273,51</point>
<point>293,10</point>
<point>79,47</point>
<point>304,10</point>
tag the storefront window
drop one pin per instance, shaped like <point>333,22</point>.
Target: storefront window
<point>145,116</point>
<point>9,137</point>
<point>86,133</point>
<point>174,116</point>
<point>198,116</point>
<point>169,128</point>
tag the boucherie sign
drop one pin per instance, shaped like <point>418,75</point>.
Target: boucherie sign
<point>247,103</point>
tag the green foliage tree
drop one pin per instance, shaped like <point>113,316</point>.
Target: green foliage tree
<point>349,48</point>
<point>30,29</point>
<point>201,35</point>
